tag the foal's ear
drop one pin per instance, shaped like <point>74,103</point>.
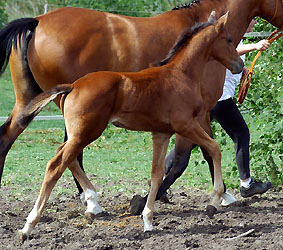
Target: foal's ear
<point>221,22</point>
<point>212,17</point>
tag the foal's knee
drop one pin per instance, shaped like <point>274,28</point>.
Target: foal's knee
<point>215,152</point>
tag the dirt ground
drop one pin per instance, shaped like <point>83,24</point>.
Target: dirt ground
<point>182,224</point>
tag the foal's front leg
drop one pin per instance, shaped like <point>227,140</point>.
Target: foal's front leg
<point>160,145</point>
<point>195,133</point>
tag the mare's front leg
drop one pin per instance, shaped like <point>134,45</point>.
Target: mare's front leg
<point>160,145</point>
<point>176,163</point>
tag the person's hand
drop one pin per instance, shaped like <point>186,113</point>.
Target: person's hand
<point>262,45</point>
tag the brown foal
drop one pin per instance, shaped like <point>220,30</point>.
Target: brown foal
<point>163,100</point>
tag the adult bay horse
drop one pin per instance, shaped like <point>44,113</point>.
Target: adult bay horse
<point>163,100</point>
<point>67,43</point>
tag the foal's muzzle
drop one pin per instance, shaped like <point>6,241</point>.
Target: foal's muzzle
<point>237,67</point>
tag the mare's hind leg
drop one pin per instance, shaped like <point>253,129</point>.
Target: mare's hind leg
<point>25,89</point>
<point>160,145</point>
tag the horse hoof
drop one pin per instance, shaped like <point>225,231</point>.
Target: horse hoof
<point>137,205</point>
<point>210,211</point>
<point>147,234</point>
<point>164,198</point>
<point>21,237</point>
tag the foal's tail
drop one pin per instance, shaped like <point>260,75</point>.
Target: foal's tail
<point>40,101</point>
<point>18,30</point>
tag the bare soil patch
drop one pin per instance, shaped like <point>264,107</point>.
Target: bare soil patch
<point>182,224</point>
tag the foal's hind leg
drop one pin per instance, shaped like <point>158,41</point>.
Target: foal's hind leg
<point>80,160</point>
<point>90,194</point>
<point>54,170</point>
<point>160,145</point>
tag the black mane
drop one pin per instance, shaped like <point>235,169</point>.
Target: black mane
<point>187,5</point>
<point>181,41</point>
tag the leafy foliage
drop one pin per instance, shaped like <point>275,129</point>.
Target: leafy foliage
<point>265,104</point>
<point>125,7</point>
<point>263,111</point>
<point>3,14</point>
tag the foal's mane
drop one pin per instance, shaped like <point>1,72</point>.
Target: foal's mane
<point>181,41</point>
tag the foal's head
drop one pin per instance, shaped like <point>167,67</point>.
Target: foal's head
<point>222,48</point>
<point>212,35</point>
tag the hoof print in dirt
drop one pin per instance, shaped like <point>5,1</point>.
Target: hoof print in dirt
<point>21,237</point>
<point>137,205</point>
<point>102,215</point>
<point>210,211</point>
<point>91,217</point>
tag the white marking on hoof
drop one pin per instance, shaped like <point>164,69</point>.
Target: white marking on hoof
<point>146,219</point>
<point>92,204</point>
<point>83,199</point>
<point>21,236</point>
<point>31,221</point>
<point>227,199</point>
<point>28,227</point>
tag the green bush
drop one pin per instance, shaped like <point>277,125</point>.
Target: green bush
<point>3,14</point>
<point>125,7</point>
<point>265,104</point>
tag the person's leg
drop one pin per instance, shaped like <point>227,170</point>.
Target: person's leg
<point>229,117</point>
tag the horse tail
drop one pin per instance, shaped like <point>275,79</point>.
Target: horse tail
<point>16,33</point>
<point>40,101</point>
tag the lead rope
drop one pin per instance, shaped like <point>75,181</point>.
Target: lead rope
<point>246,79</point>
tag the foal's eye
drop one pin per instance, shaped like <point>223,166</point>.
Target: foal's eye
<point>230,41</point>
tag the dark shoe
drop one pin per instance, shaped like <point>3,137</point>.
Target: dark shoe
<point>255,187</point>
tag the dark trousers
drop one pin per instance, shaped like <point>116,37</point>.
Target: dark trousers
<point>227,114</point>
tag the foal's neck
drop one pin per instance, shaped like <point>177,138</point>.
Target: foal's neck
<point>193,57</point>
